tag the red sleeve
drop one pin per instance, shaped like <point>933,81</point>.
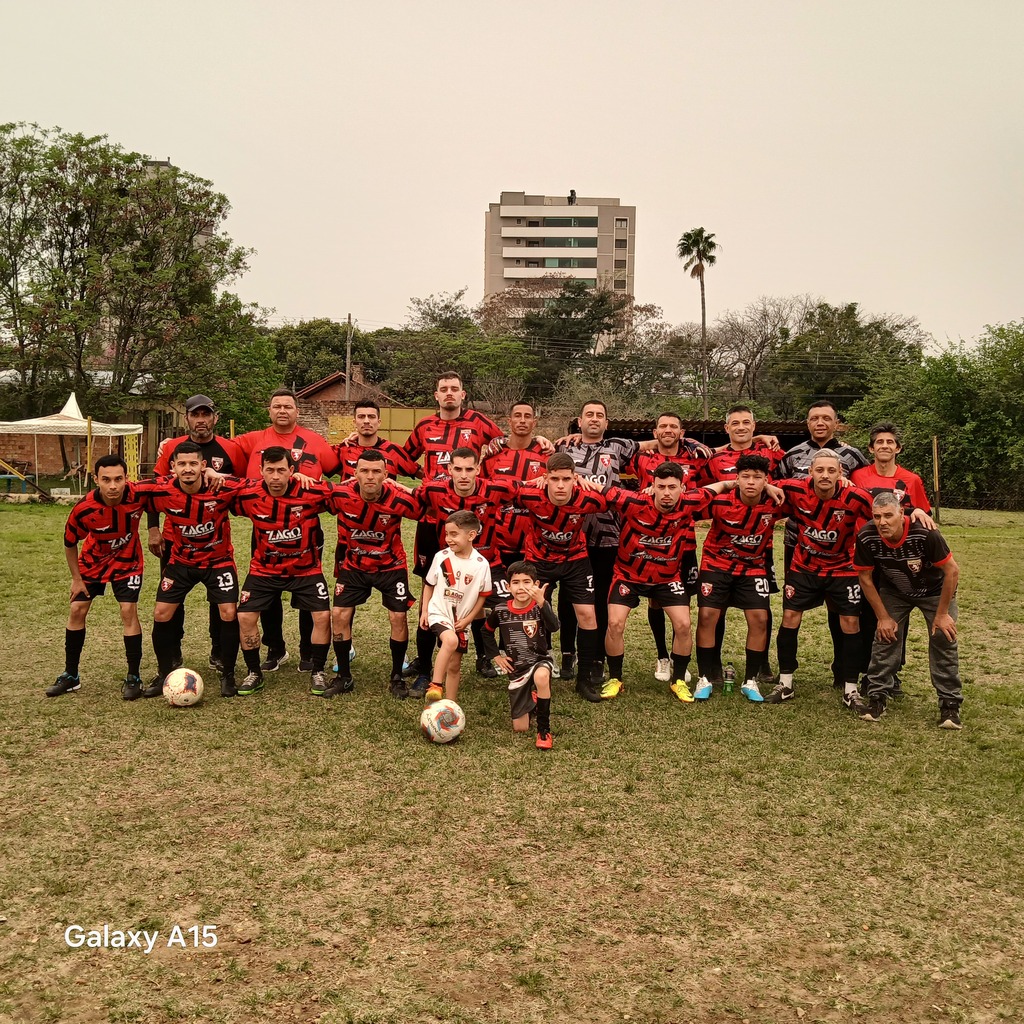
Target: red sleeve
<point>918,495</point>
<point>239,461</point>
<point>246,444</point>
<point>413,446</point>
<point>489,429</point>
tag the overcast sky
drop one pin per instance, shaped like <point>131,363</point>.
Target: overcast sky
<point>867,151</point>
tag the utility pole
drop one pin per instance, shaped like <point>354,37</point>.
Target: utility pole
<point>348,359</point>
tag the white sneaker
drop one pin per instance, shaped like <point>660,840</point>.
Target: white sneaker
<point>663,670</point>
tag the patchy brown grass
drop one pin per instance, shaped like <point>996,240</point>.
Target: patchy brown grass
<point>664,863</point>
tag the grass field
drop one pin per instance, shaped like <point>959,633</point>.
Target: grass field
<point>664,863</point>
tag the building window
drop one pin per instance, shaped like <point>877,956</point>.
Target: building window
<point>621,223</point>
<point>570,222</point>
<point>533,243</point>
<point>533,223</point>
<point>620,286</point>
<point>519,220</point>
<point>621,243</point>
<point>518,262</point>
<point>532,263</point>
<point>519,241</point>
<point>620,264</point>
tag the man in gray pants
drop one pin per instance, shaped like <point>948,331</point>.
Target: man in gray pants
<point>917,570</point>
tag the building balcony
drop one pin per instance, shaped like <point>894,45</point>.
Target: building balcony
<point>521,231</point>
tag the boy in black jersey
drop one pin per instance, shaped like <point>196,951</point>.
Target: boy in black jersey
<point>525,624</point>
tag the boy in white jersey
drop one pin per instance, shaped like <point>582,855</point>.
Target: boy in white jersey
<point>454,590</point>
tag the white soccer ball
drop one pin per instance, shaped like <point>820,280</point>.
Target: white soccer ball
<point>183,688</point>
<point>442,721</point>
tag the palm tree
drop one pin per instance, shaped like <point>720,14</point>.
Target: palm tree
<point>698,248</point>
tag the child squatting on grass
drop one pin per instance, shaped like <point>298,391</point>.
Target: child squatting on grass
<point>524,626</point>
<point>454,590</point>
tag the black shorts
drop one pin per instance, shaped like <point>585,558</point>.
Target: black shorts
<point>442,627</point>
<point>221,582</point>
<point>126,590</point>
<point>499,594</point>
<point>804,591</point>
<point>308,592</point>
<point>427,545</point>
<point>353,588</point>
<point>508,557</point>
<point>723,590</point>
<point>576,579</point>
<point>668,595</point>
<point>520,689</point>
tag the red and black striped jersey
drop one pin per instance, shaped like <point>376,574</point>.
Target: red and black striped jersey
<point>691,455</point>
<point>826,527</point>
<point>285,529</point>
<point>434,439</point>
<point>438,500</point>
<point>722,464</point>
<point>398,463</point>
<point>651,542</point>
<point>740,534</point>
<point>370,532</point>
<point>309,452</point>
<point>519,464</point>
<point>111,548</point>
<point>911,566</point>
<point>197,525</point>
<point>557,533</point>
<point>906,485</point>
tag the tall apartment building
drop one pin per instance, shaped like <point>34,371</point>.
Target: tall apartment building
<point>527,237</point>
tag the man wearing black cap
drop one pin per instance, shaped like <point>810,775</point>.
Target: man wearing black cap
<point>219,453</point>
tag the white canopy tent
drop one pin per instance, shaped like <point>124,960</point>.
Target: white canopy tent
<point>69,421</point>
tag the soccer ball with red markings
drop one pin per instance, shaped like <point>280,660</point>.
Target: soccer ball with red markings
<point>183,688</point>
<point>442,721</point>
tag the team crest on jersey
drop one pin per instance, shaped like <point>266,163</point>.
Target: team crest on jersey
<point>839,515</point>
<point>766,520</point>
<point>574,519</point>
<point>339,589</point>
<point>210,506</point>
<point>384,520</point>
<point>166,584</point>
<point>623,590</point>
<point>706,588</point>
<point>533,469</point>
<point>465,436</point>
<point>604,461</point>
<point>790,592</point>
<point>217,462</point>
<point>468,578</point>
<point>295,510</point>
<point>296,454</point>
<point>243,597</point>
<point>530,629</point>
<point>914,565</point>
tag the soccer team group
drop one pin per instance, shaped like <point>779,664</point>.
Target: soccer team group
<point>504,525</point>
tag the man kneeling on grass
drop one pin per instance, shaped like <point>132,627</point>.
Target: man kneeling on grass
<point>455,588</point>
<point>917,570</point>
<point>524,626</point>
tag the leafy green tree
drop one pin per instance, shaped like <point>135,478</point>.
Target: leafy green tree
<point>698,249</point>
<point>107,262</point>
<point>570,324</point>
<point>313,349</point>
<point>839,354</point>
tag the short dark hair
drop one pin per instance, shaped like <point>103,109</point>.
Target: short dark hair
<point>186,448</point>
<point>673,415</point>
<point>449,375</point>
<point>885,427</point>
<point>523,569</point>
<point>822,403</point>
<point>523,401</point>
<point>284,393</point>
<point>464,520</point>
<point>561,460</point>
<point>758,463</point>
<point>275,453</point>
<point>366,403</point>
<point>672,469</point>
<point>371,455</point>
<point>108,462</point>
<point>594,401</point>
<point>738,408</point>
<point>465,453</point>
